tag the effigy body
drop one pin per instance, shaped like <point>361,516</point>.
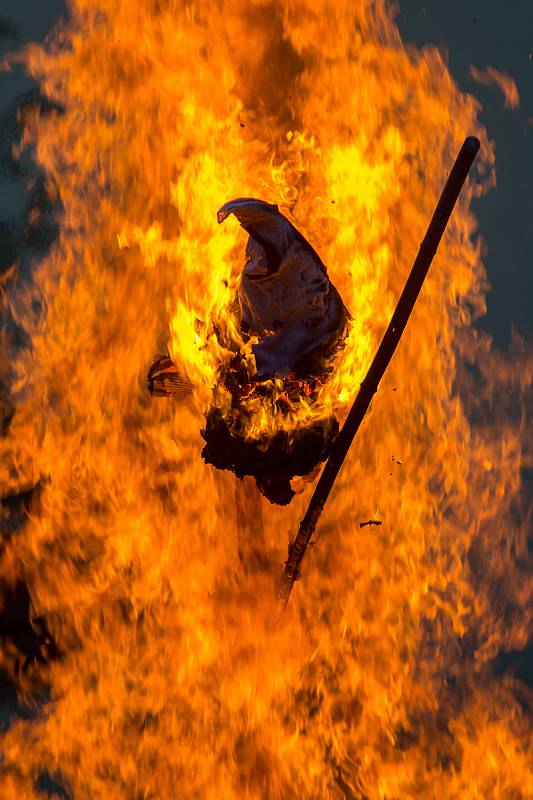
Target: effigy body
<point>287,303</point>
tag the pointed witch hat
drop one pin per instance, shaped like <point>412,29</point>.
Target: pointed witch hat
<point>285,295</point>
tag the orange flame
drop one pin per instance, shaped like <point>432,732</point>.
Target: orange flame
<point>177,677</point>
<point>493,77</point>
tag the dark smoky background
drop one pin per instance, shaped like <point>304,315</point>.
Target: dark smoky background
<point>481,34</point>
<point>472,33</point>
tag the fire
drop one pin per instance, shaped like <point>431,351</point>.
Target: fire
<point>175,674</point>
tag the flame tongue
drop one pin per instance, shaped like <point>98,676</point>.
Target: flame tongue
<point>169,676</point>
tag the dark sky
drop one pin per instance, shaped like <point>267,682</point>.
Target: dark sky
<point>472,32</point>
<point>499,34</point>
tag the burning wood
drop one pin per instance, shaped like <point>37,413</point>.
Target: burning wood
<point>164,379</point>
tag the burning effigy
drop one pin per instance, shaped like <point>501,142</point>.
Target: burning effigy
<point>293,320</point>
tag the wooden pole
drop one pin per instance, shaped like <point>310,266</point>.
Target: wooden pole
<point>388,345</point>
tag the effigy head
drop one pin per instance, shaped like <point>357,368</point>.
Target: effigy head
<point>285,296</point>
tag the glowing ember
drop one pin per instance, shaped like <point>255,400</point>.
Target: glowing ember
<point>171,675</point>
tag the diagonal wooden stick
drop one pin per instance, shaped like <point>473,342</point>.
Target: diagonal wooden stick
<point>388,345</point>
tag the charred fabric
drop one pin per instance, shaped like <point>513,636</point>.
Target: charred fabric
<point>288,306</point>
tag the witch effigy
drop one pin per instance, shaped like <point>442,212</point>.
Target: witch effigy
<point>287,305</point>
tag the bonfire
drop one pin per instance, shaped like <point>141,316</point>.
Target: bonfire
<point>148,651</point>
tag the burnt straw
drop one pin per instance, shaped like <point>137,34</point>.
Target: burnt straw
<point>386,349</point>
